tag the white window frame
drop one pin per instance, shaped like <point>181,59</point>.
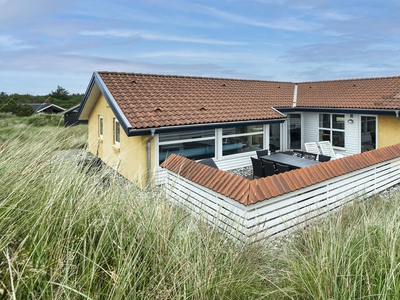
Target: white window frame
<point>117,139</point>
<point>218,137</point>
<point>101,127</point>
<point>177,142</point>
<point>331,129</point>
<point>261,132</point>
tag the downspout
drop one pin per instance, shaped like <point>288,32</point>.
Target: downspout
<point>397,115</point>
<point>149,157</point>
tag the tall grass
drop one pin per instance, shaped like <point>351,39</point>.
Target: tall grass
<point>353,254</point>
<point>67,232</point>
<point>70,232</point>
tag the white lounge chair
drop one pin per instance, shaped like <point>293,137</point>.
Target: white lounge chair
<point>327,149</point>
<point>312,147</point>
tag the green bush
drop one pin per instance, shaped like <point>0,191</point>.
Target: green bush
<point>42,119</point>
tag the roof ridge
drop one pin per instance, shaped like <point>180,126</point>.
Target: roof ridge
<point>194,77</point>
<point>249,80</point>
<point>350,79</point>
<point>248,192</point>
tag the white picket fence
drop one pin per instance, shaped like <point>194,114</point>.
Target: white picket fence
<point>273,217</point>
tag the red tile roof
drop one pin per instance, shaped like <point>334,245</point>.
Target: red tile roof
<point>151,101</point>
<point>248,192</point>
<point>369,93</point>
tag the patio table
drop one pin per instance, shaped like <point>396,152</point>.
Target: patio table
<point>289,160</point>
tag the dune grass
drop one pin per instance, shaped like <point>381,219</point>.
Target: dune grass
<point>352,254</point>
<point>69,232</point>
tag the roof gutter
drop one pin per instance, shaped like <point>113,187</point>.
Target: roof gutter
<point>149,157</point>
<point>343,110</point>
<point>143,131</point>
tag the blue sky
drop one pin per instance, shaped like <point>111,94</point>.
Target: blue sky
<point>46,43</point>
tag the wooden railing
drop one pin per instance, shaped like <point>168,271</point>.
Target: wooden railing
<point>285,213</point>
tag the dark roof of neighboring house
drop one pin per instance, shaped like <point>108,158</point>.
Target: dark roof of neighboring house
<point>74,108</point>
<point>40,107</point>
<point>368,93</point>
<point>248,192</point>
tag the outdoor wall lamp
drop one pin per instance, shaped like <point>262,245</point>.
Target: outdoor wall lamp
<point>350,121</point>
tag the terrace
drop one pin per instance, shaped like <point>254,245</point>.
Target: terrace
<point>255,210</point>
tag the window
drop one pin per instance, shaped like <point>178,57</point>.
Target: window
<point>195,144</point>
<point>368,133</point>
<point>101,127</point>
<point>116,132</point>
<point>212,143</point>
<point>242,139</point>
<point>331,128</point>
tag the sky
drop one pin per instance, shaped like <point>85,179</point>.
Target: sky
<point>50,43</point>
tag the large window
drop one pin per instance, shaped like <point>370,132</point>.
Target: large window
<point>117,130</point>
<point>215,143</point>
<point>331,128</point>
<point>242,139</point>
<point>196,144</point>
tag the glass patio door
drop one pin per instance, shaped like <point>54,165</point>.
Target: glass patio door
<point>274,137</point>
<point>368,133</point>
<point>294,131</point>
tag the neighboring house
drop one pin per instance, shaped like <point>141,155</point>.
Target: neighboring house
<point>47,108</point>
<point>71,116</point>
<point>137,120</point>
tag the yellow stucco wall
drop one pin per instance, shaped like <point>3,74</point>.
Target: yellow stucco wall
<point>130,158</point>
<point>388,131</point>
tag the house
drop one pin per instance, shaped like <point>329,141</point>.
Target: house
<point>137,120</point>
<point>71,116</point>
<point>46,108</point>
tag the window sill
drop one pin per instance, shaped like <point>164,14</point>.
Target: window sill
<point>116,148</point>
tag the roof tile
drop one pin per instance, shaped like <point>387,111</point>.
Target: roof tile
<point>363,93</point>
<point>184,100</point>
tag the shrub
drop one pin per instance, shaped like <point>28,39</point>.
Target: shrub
<point>41,119</point>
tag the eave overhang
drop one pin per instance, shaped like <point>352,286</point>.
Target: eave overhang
<point>158,130</point>
<point>370,111</point>
<point>95,88</point>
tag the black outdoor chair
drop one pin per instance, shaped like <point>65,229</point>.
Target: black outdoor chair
<point>209,162</point>
<point>308,155</point>
<point>258,169</point>
<point>322,158</point>
<point>269,168</point>
<point>297,153</point>
<point>262,152</point>
<point>282,168</point>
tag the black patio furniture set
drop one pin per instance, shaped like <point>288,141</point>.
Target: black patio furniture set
<point>267,165</point>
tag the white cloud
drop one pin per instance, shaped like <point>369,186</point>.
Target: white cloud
<point>157,37</point>
<point>288,23</point>
<point>10,43</point>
